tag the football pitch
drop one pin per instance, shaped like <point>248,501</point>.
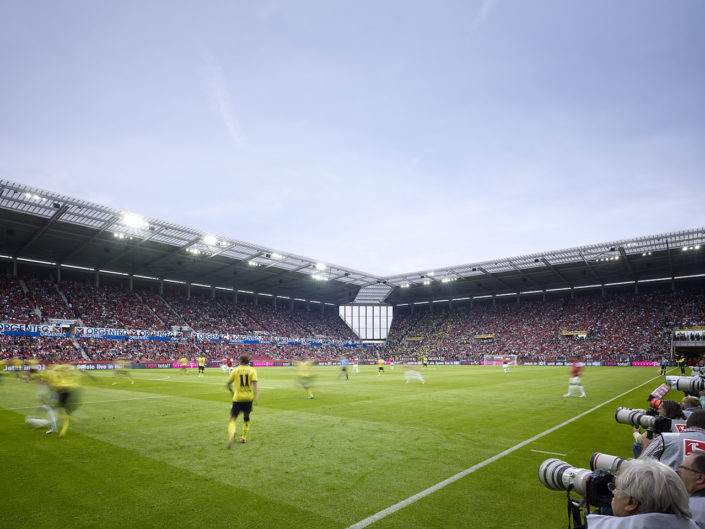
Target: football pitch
<point>461,450</point>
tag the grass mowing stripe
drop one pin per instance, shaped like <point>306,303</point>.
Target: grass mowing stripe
<point>420,495</point>
<point>99,401</point>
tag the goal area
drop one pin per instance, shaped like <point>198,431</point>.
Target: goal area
<point>498,360</point>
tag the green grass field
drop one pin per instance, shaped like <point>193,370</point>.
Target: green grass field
<point>153,454</point>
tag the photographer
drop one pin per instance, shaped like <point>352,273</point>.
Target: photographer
<point>646,495</point>
<point>672,448</point>
<point>666,408</point>
<point>692,473</point>
<point>689,405</point>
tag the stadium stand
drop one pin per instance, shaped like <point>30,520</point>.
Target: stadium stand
<point>15,306</point>
<point>616,327</point>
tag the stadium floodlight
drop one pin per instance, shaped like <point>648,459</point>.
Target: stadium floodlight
<point>405,284</point>
<point>134,221</point>
<point>320,266</point>
<point>277,256</point>
<point>210,240</point>
<point>319,277</point>
<point>253,263</point>
<point>426,281</point>
<point>431,274</point>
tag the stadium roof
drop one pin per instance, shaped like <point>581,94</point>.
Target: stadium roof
<point>50,229</point>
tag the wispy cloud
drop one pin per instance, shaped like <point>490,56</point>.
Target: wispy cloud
<point>219,92</point>
<point>484,14</point>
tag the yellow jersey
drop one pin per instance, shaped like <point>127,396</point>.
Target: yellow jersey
<point>243,376</point>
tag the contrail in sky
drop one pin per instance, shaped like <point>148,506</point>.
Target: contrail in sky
<point>484,13</point>
<point>219,91</point>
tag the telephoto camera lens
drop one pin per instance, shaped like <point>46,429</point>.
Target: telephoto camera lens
<point>606,462</point>
<point>686,384</point>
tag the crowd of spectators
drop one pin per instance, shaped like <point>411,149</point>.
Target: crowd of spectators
<point>109,307</point>
<point>47,298</point>
<point>44,349</point>
<point>614,327</point>
<point>15,306</point>
<point>139,350</point>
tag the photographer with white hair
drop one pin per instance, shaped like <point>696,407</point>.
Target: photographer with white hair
<point>646,494</point>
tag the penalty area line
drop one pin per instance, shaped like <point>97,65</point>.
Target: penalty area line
<point>420,495</point>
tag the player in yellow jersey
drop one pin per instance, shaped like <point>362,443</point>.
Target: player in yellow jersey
<point>245,392</point>
<point>380,368</point>
<point>183,363</point>
<point>121,369</point>
<point>201,366</point>
<point>305,377</point>
<point>33,368</point>
<point>18,367</point>
<point>64,380</point>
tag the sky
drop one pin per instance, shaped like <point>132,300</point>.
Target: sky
<point>386,136</point>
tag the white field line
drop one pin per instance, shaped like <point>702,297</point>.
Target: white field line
<point>416,497</point>
<point>549,453</point>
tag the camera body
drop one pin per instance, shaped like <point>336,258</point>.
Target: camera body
<point>642,419</point>
<point>591,485</point>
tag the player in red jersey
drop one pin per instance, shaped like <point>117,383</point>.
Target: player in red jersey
<point>574,383</point>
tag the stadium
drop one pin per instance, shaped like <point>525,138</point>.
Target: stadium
<point>346,265</point>
<point>84,284</point>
